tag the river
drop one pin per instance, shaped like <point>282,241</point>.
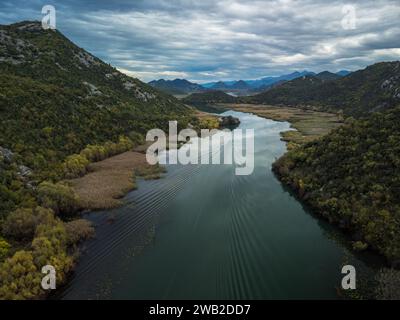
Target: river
<point>202,232</point>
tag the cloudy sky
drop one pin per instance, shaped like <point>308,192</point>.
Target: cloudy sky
<point>208,40</point>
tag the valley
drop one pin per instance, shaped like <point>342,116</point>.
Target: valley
<point>308,124</point>
<point>77,192</point>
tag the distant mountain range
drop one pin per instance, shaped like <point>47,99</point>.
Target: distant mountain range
<point>265,82</point>
<point>238,87</point>
<point>374,88</point>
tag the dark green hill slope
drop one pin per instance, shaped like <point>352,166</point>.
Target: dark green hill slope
<point>177,86</point>
<point>327,76</point>
<point>214,96</point>
<point>375,88</point>
<point>55,98</point>
<point>352,178</point>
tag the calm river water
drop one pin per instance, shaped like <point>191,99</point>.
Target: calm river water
<point>203,232</point>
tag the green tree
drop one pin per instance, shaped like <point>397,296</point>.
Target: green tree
<point>4,248</point>
<point>20,278</point>
<point>20,224</point>
<point>59,197</point>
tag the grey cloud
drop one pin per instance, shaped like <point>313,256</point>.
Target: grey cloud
<point>224,39</point>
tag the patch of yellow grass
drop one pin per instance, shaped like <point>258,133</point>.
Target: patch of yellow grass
<point>109,180</point>
<point>309,124</point>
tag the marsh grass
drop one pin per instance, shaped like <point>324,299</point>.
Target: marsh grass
<point>309,124</point>
<point>109,180</point>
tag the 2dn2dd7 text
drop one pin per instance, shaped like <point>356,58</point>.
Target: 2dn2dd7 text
<point>221,309</point>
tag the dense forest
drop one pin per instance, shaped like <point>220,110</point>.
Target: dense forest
<point>375,88</point>
<point>209,97</point>
<point>61,108</point>
<point>177,86</point>
<point>352,178</point>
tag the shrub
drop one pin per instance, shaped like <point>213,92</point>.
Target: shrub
<point>59,197</point>
<point>78,230</point>
<point>55,232</point>
<point>21,224</point>
<point>136,138</point>
<point>75,166</point>
<point>94,153</point>
<point>19,277</point>
<point>50,247</point>
<point>388,287</point>
<point>359,246</point>
<point>124,144</point>
<point>4,248</point>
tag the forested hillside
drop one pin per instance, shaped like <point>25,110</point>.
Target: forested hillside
<point>375,88</point>
<point>352,178</point>
<point>56,98</point>
<point>214,96</point>
<point>60,109</point>
<point>177,86</point>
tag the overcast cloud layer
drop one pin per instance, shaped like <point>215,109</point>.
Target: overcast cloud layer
<point>210,40</point>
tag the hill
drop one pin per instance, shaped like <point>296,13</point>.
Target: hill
<point>60,108</point>
<point>220,85</point>
<point>343,73</point>
<point>209,97</point>
<point>352,178</point>
<point>372,89</point>
<point>177,86</point>
<point>326,76</point>
<point>56,97</point>
<point>240,85</point>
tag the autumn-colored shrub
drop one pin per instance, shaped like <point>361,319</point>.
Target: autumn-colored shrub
<point>78,230</point>
<point>59,197</point>
<point>19,277</point>
<point>4,248</point>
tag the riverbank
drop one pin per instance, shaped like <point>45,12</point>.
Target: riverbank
<point>309,124</point>
<point>206,220</point>
<point>109,180</point>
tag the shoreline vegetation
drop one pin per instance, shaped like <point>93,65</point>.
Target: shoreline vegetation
<point>107,181</point>
<point>350,178</point>
<point>346,171</point>
<point>308,124</point>
<point>326,150</point>
<point>64,110</point>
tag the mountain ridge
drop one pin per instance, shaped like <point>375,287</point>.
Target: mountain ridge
<point>176,86</point>
<point>72,97</point>
<point>377,87</point>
